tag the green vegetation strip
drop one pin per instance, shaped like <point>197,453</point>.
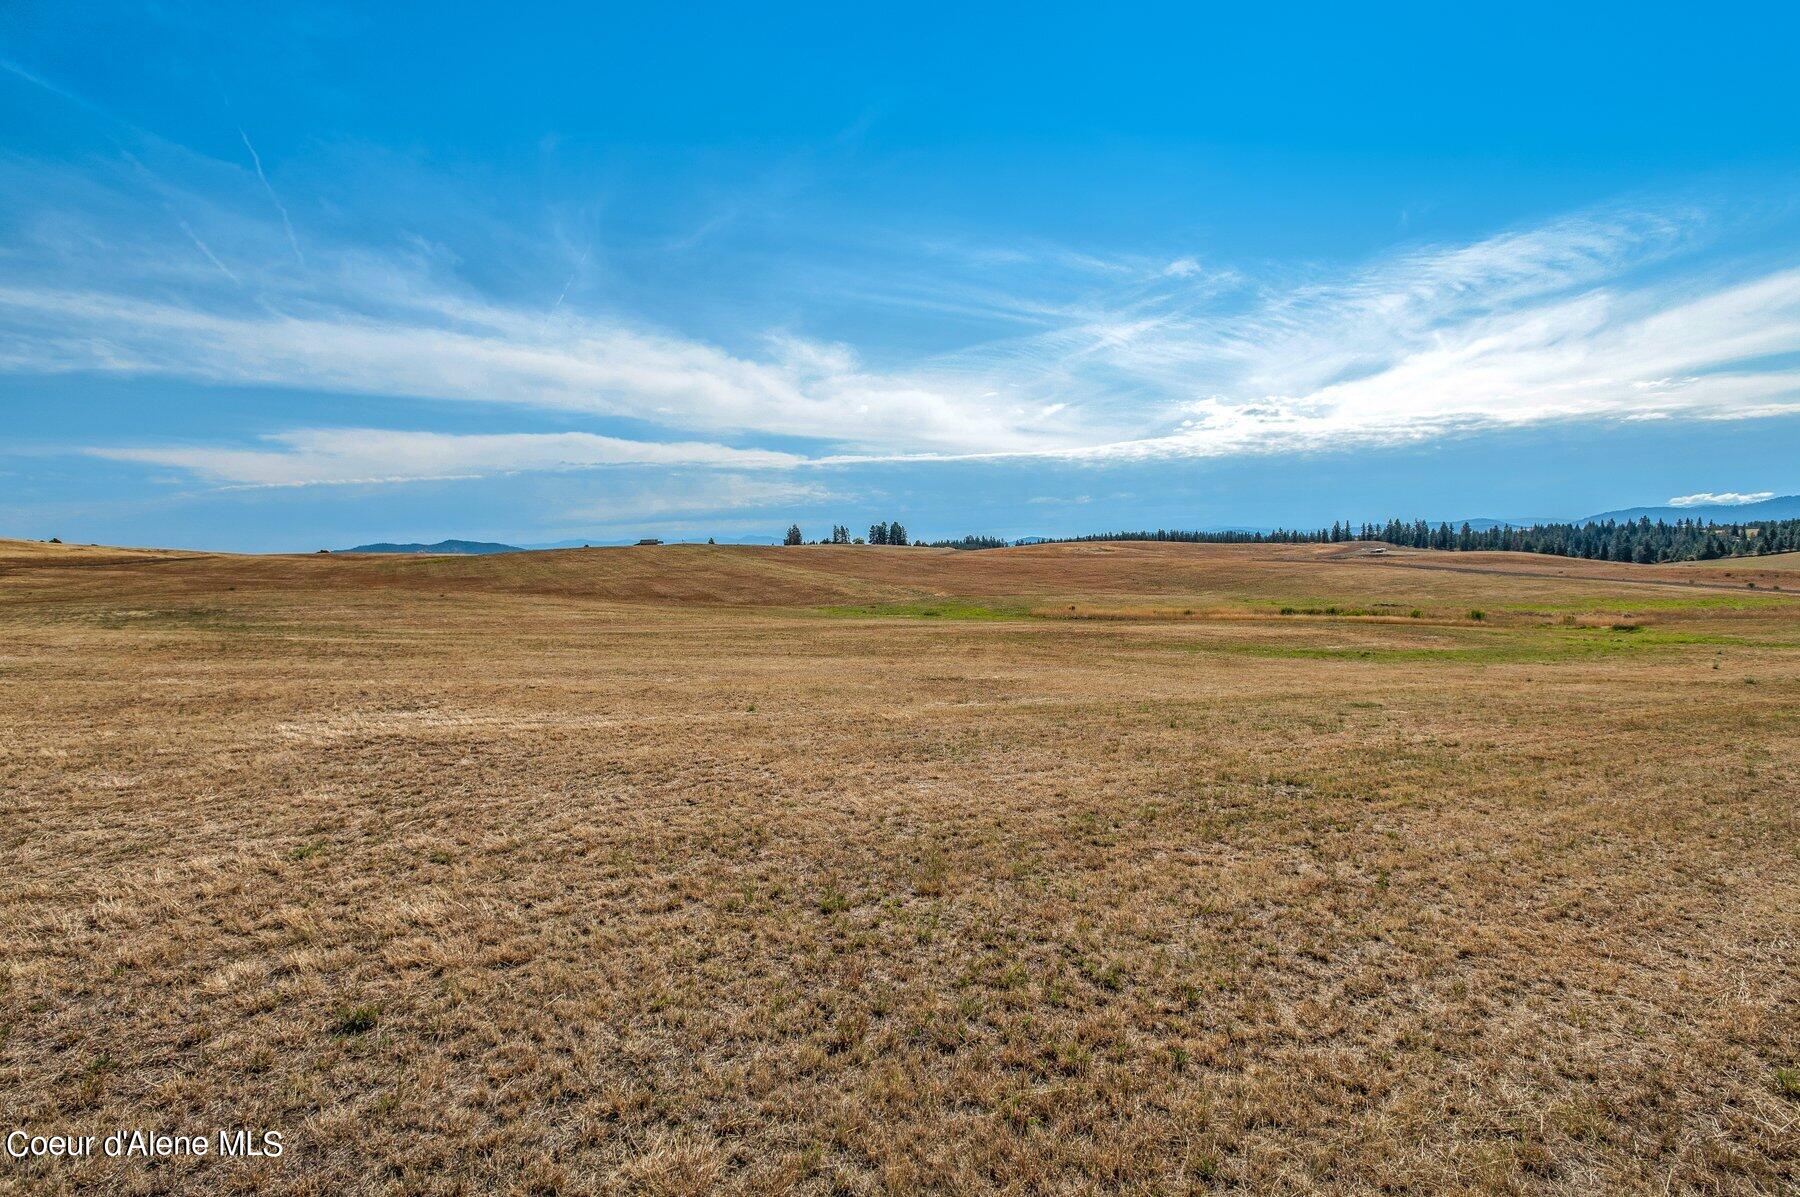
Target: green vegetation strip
<point>1615,604</point>
<point>1500,647</point>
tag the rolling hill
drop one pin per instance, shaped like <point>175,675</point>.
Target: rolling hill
<point>465,548</point>
<point>1781,507</point>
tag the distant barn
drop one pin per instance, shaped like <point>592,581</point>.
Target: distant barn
<point>649,540</point>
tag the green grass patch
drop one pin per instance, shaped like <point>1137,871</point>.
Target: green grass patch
<point>1617,605</point>
<point>1502,646</point>
<point>211,620</point>
<point>1327,608</point>
<point>354,1020</point>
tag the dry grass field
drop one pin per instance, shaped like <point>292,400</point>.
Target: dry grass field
<point>1102,868</point>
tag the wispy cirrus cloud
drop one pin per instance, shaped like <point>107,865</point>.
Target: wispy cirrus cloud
<point>451,348</point>
<point>171,266</point>
<point>343,456</point>
<point>704,494</point>
<point>1603,353</point>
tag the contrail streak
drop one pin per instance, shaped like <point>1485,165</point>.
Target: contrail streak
<point>155,185</point>
<point>286,224</point>
<point>50,87</point>
<point>202,247</point>
<point>570,281</point>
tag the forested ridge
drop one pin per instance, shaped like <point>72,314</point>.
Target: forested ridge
<point>1631,540</point>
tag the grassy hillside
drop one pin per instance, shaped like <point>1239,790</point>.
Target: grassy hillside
<point>1071,868</point>
<point>758,576</point>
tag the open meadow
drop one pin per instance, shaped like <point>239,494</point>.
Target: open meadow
<point>1082,868</point>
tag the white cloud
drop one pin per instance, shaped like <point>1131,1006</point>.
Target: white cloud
<point>327,456</point>
<point>1521,329</point>
<point>701,495</point>
<point>1584,356</point>
<point>1591,317</point>
<point>461,351</point>
<point>1728,498</point>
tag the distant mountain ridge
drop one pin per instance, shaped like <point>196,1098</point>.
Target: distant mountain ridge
<point>1781,507</point>
<point>598,543</point>
<point>466,548</point>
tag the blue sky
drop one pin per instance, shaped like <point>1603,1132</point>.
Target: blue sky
<point>284,277</point>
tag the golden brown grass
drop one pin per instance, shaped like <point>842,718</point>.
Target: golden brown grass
<point>1071,869</point>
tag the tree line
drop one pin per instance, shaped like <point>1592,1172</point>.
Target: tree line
<point>968,542</point>
<point>888,532</point>
<point>1637,540</point>
<point>1629,540</point>
<point>893,532</point>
